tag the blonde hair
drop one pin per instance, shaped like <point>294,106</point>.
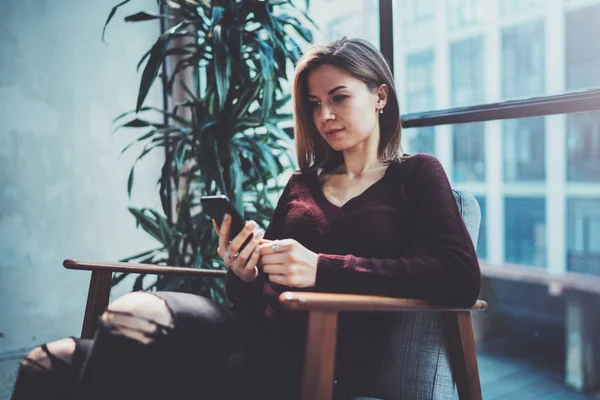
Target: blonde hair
<point>362,60</point>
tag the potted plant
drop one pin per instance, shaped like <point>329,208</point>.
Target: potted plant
<point>228,60</point>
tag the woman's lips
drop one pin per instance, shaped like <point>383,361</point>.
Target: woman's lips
<point>331,132</point>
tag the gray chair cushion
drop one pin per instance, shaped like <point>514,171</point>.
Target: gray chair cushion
<point>417,366</point>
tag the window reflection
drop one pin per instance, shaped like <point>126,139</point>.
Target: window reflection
<point>482,241</point>
<point>465,13</point>
<point>524,149</point>
<point>510,8</point>
<point>420,80</point>
<point>466,63</point>
<point>584,235</point>
<point>583,147</point>
<point>469,152</point>
<point>419,140</point>
<point>525,231</point>
<point>523,59</point>
<point>582,58</point>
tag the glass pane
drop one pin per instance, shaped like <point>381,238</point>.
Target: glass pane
<point>525,232</point>
<point>583,60</point>
<point>419,140</point>
<point>420,94</point>
<point>511,8</point>
<point>583,219</point>
<point>524,149</point>
<point>466,64</point>
<point>583,147</point>
<point>465,13</point>
<point>339,18</point>
<point>486,51</point>
<point>416,19</point>
<point>482,241</point>
<point>469,152</point>
<point>523,60</point>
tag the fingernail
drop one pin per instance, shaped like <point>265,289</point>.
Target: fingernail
<point>251,225</point>
<point>260,233</point>
<point>257,249</point>
<point>226,217</point>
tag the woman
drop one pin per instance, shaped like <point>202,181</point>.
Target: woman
<point>359,217</point>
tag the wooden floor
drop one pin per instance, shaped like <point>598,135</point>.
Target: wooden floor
<point>509,376</point>
<point>513,375</point>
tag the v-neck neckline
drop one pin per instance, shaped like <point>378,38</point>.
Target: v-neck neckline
<point>326,203</point>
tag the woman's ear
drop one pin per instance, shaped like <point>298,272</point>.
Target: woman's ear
<point>382,95</point>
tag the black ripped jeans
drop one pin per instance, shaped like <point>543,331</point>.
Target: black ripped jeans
<point>208,354</point>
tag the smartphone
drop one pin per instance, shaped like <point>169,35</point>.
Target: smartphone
<point>217,206</point>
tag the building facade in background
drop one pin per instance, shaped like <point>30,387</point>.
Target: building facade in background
<point>537,179</point>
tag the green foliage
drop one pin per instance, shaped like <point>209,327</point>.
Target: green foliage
<point>224,138</point>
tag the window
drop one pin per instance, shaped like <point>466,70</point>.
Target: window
<point>583,233</point>
<point>524,149</point>
<point>465,13</point>
<point>523,71</point>
<point>419,140</point>
<point>466,64</point>
<point>583,147</point>
<point>469,152</point>
<point>347,26</point>
<point>417,20</point>
<point>416,11</point>
<point>339,18</point>
<point>510,8</point>
<point>582,59</point>
<point>420,95</point>
<point>482,241</point>
<point>525,231</point>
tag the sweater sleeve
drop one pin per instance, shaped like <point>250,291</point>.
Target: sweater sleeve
<point>442,270</point>
<point>248,297</point>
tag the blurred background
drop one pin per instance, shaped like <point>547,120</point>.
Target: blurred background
<point>536,178</point>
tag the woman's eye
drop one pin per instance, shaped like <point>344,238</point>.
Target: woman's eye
<point>339,97</point>
<point>314,104</point>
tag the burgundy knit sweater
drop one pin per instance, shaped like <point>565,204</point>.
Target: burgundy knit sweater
<point>402,237</point>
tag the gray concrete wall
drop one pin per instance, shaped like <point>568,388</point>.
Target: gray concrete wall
<point>62,182</point>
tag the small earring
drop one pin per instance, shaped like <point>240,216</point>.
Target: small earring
<point>381,110</point>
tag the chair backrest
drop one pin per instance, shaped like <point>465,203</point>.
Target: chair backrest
<point>470,211</point>
<point>420,366</point>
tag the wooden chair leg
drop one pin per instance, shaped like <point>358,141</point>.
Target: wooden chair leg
<point>97,301</point>
<point>319,364</point>
<point>463,359</point>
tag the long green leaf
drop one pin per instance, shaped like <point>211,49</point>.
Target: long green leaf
<point>145,16</point>
<point>222,65</point>
<point>111,15</point>
<point>155,62</point>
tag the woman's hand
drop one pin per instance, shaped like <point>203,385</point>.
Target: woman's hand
<point>289,263</point>
<point>242,263</point>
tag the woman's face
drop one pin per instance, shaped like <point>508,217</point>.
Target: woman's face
<point>344,110</point>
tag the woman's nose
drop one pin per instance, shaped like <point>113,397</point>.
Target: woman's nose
<point>326,113</point>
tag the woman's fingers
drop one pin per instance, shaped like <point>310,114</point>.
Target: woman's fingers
<point>224,235</point>
<point>275,269</point>
<point>248,251</point>
<point>250,267</point>
<point>276,246</point>
<point>274,258</point>
<point>241,237</point>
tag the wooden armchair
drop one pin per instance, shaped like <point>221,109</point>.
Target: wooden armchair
<point>323,311</point>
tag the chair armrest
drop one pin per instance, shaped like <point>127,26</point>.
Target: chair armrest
<point>108,266</point>
<point>351,302</point>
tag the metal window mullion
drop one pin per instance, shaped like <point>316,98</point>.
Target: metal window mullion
<point>386,38</point>
<point>555,143</point>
